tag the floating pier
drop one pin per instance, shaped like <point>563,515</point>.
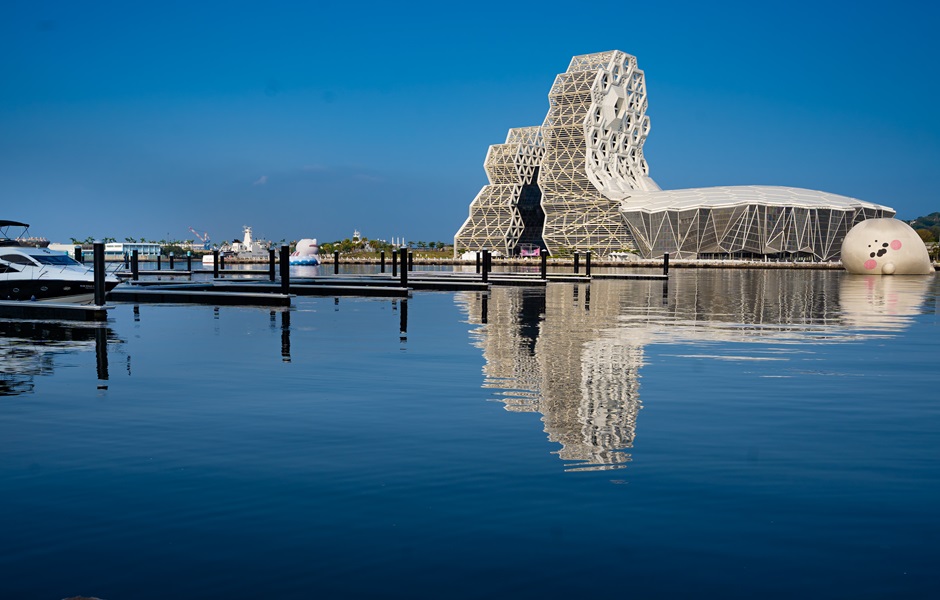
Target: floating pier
<point>22,309</point>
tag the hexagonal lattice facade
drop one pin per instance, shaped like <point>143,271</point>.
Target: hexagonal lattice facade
<point>586,165</point>
<point>496,221</point>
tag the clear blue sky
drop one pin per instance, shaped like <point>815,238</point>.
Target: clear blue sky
<point>311,119</point>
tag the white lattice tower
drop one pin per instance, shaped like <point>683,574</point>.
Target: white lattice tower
<point>494,221</point>
<point>593,135</point>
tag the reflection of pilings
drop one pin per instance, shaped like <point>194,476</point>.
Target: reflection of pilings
<point>285,336</point>
<point>484,308</point>
<point>101,351</point>
<point>403,320</point>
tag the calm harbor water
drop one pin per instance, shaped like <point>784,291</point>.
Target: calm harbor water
<point>742,433</point>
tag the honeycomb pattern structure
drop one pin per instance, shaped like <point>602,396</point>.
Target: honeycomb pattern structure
<point>584,167</point>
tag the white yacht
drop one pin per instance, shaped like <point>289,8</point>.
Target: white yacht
<point>248,249</point>
<point>28,272</point>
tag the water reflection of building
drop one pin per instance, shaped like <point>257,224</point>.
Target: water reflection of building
<point>28,350</point>
<point>573,352</point>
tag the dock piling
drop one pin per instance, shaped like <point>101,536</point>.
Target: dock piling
<point>78,254</point>
<point>159,267</point>
<point>543,268</point>
<point>335,262</point>
<point>479,257</point>
<point>666,263</point>
<point>171,260</point>
<point>382,262</point>
<point>215,264</point>
<point>135,265</point>
<point>404,267</point>
<point>99,273</point>
<point>272,273</point>
<point>587,263</point>
<point>394,264</point>
<point>285,269</point>
<point>577,256</point>
<point>486,265</point>
<point>189,263</point>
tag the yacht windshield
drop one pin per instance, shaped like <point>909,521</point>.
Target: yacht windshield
<point>56,259</point>
<point>17,259</point>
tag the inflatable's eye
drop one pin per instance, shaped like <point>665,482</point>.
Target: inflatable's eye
<point>885,245</point>
<point>872,255</point>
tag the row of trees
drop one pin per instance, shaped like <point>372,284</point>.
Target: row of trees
<point>349,246</point>
<point>928,228</point>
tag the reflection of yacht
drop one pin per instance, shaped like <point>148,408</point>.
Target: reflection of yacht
<point>306,253</point>
<point>31,273</point>
<point>246,250</point>
<point>28,349</point>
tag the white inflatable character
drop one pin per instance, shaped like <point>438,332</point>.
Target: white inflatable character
<point>885,247</point>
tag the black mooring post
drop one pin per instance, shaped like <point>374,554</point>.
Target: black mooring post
<point>479,260</point>
<point>404,267</point>
<point>158,262</point>
<point>394,264</point>
<point>215,264</point>
<point>411,261</point>
<point>666,263</point>
<point>382,262</point>
<point>285,269</point>
<point>135,265</point>
<point>485,271</point>
<point>577,256</point>
<point>221,262</point>
<point>99,273</point>
<point>587,263</point>
<point>272,273</point>
<point>171,261</point>
<point>189,261</point>
<point>78,254</point>
<point>335,262</point>
<point>127,261</point>
<point>543,268</point>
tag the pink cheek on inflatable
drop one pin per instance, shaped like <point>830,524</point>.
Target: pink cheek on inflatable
<point>870,264</point>
<point>896,245</point>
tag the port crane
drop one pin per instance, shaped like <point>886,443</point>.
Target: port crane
<point>204,238</point>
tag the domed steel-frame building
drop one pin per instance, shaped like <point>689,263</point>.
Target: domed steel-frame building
<point>580,182</point>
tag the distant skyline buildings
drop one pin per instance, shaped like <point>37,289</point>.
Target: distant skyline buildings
<point>580,182</point>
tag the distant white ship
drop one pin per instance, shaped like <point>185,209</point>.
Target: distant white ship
<point>246,250</point>
<point>307,253</point>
